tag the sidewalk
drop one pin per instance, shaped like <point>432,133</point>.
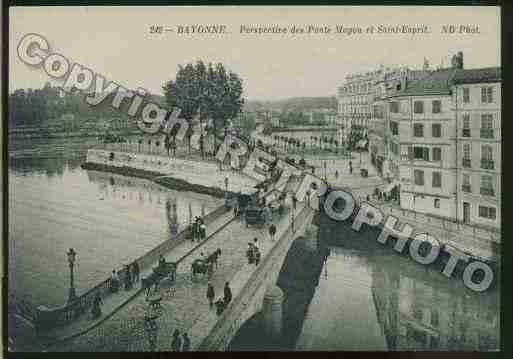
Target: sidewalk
<point>115,301</point>
<point>184,305</point>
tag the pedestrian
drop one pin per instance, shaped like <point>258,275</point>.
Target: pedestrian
<point>96,310</point>
<point>128,279</point>
<point>249,253</point>
<point>368,198</point>
<point>294,201</point>
<point>272,231</point>
<point>186,343</point>
<point>176,344</point>
<point>350,167</point>
<point>308,194</point>
<point>210,294</point>
<point>227,294</point>
<point>114,282</point>
<point>135,271</point>
<point>203,230</point>
<point>162,261</point>
<point>235,211</point>
<point>336,174</point>
<point>256,251</point>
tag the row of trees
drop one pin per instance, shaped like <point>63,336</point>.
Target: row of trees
<point>35,107</point>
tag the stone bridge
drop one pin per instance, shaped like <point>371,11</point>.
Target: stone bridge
<point>257,291</point>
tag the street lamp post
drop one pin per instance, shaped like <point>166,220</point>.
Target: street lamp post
<point>71,260</point>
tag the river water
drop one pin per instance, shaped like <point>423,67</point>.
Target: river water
<point>108,219</point>
<point>349,297</point>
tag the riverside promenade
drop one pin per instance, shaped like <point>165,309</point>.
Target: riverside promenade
<point>184,304</point>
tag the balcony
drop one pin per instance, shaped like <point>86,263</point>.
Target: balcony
<point>466,162</point>
<point>466,188</point>
<point>466,132</point>
<point>487,133</point>
<point>487,164</point>
<point>487,191</point>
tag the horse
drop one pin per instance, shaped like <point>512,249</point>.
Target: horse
<point>213,257</point>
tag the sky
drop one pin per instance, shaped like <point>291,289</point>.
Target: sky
<point>116,42</point>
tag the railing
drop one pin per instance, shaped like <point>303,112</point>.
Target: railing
<point>451,226</point>
<point>53,317</point>
<point>466,188</point>
<point>487,133</point>
<point>226,326</point>
<point>487,191</point>
<point>466,162</point>
<point>487,164</point>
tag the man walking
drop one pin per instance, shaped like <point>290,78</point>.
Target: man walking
<point>176,344</point>
<point>350,167</point>
<point>272,231</point>
<point>210,294</point>
<point>186,343</point>
<point>227,294</point>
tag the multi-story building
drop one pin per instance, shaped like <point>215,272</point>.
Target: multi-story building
<point>439,138</point>
<point>383,140</point>
<point>355,97</point>
<point>421,121</point>
<point>477,109</point>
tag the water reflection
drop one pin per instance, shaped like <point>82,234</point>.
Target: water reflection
<point>417,312</point>
<point>377,300</point>
<point>108,219</point>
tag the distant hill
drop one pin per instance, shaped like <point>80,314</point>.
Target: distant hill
<point>295,104</point>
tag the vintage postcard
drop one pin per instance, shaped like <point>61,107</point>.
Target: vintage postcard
<point>254,178</point>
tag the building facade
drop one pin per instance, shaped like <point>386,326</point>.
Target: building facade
<point>477,108</point>
<point>438,138</point>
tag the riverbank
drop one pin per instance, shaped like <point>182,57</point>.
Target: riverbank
<point>168,182</point>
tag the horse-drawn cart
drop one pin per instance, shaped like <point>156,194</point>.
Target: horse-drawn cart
<point>165,270</point>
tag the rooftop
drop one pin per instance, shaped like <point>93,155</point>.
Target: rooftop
<point>439,82</point>
<point>486,74</point>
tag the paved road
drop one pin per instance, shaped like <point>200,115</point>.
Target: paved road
<point>183,305</point>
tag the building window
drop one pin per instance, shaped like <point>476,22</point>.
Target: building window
<point>487,125</point>
<point>437,203</point>
<point>487,157</point>
<point>418,130</point>
<point>466,95</point>
<point>487,212</point>
<point>465,183</point>
<point>394,128</point>
<point>466,155</point>
<point>418,107</point>
<point>418,177</point>
<point>394,107</point>
<point>437,154</point>
<point>436,130</point>
<point>466,125</point>
<point>487,185</point>
<point>421,153</point>
<point>437,179</point>
<point>487,94</point>
<point>437,106</point>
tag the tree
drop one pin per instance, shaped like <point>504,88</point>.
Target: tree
<point>209,88</point>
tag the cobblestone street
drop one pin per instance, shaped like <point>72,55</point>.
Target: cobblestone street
<point>183,304</point>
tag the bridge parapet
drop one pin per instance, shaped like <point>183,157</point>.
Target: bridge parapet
<point>248,300</point>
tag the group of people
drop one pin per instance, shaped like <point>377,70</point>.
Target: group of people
<point>180,344</point>
<point>199,229</point>
<point>220,303</point>
<point>131,276</point>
